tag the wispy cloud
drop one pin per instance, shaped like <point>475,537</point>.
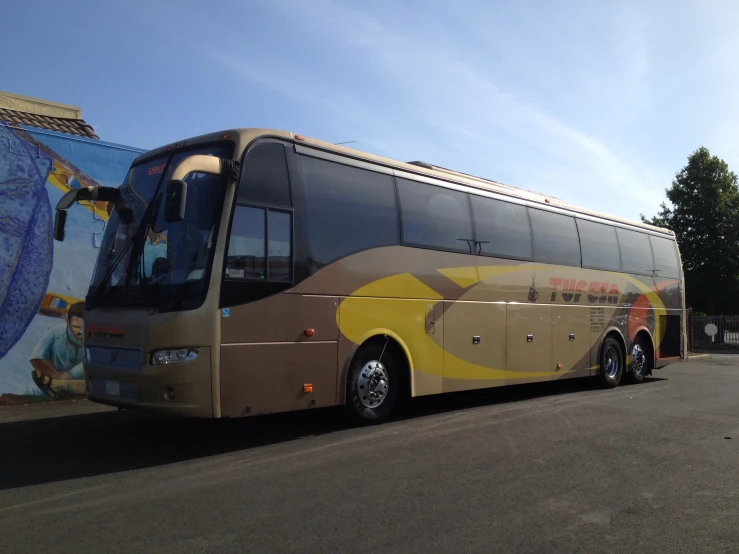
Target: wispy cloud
<point>598,103</point>
<point>454,106</point>
<point>562,104</point>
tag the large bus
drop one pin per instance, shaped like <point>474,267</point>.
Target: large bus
<point>257,271</point>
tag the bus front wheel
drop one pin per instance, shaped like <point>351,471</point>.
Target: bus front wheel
<point>372,384</point>
<point>611,363</point>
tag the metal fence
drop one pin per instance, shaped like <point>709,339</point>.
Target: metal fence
<point>713,332</point>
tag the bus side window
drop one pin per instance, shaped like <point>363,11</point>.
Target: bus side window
<point>246,247</point>
<point>665,257</point>
<point>636,251</point>
<point>555,238</point>
<point>599,245</point>
<point>279,249</point>
<point>348,209</point>
<point>260,246</point>
<point>264,177</point>
<point>435,217</point>
<point>502,228</point>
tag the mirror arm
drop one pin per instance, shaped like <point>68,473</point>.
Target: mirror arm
<point>91,194</point>
<point>106,194</point>
<point>200,163</point>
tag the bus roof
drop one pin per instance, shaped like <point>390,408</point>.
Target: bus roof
<point>245,135</point>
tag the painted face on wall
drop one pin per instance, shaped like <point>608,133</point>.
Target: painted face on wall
<point>75,326</point>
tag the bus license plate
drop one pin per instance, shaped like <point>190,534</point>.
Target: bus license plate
<point>112,388</point>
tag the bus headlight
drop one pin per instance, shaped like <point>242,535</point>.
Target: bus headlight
<point>174,356</point>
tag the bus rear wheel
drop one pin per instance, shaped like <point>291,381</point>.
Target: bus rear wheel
<point>639,362</point>
<point>611,363</point>
<point>372,385</point>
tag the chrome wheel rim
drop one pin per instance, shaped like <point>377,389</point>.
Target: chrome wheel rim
<point>638,359</point>
<point>612,362</point>
<point>372,384</point>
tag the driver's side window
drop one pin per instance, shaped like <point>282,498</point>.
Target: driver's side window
<point>246,247</point>
<point>259,261</point>
<point>260,245</point>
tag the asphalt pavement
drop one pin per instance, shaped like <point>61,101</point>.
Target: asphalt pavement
<point>555,467</point>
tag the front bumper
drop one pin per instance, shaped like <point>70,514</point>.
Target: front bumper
<point>178,389</point>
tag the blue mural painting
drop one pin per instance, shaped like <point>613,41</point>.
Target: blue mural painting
<point>42,281</point>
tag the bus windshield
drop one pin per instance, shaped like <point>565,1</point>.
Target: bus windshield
<point>147,261</point>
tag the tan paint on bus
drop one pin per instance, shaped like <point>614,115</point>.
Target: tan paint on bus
<point>490,300</point>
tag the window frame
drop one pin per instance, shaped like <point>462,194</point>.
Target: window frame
<point>677,260</point>
<point>651,252</point>
<point>288,146</point>
<point>471,249</point>
<point>618,246</point>
<point>478,243</point>
<point>533,237</point>
<point>266,208</point>
<point>369,168</point>
<point>261,141</point>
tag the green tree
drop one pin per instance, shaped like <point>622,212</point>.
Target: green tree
<point>703,211</point>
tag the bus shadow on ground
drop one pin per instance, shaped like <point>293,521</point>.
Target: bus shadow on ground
<point>42,451</point>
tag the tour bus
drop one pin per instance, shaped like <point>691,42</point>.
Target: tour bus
<point>256,271</point>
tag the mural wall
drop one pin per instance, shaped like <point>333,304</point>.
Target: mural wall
<point>42,282</point>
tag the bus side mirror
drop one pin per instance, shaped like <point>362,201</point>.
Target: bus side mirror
<point>175,201</point>
<point>60,221</point>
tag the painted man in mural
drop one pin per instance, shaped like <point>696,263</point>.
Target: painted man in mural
<point>58,355</point>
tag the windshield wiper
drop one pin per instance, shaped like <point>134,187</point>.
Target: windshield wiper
<point>104,281</point>
<point>140,239</point>
<point>102,287</point>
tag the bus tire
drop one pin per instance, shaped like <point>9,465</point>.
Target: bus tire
<point>639,361</point>
<point>611,363</point>
<point>372,384</point>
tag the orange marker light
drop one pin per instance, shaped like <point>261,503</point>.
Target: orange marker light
<point>226,136</point>
<point>308,387</point>
<point>299,137</point>
<point>309,332</point>
<point>559,366</point>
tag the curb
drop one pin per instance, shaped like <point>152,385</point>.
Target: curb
<point>694,357</point>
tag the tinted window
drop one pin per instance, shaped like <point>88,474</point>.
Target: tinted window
<point>599,245</point>
<point>279,232</point>
<point>665,257</point>
<point>347,209</point>
<point>636,253</point>
<point>254,255</point>
<point>246,247</point>
<point>435,216</point>
<point>502,228</point>
<point>264,177</point>
<point>555,238</point>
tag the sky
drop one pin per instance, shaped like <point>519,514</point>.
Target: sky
<point>596,103</point>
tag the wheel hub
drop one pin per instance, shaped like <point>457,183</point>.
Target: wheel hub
<point>638,359</point>
<point>612,363</point>
<point>372,384</point>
